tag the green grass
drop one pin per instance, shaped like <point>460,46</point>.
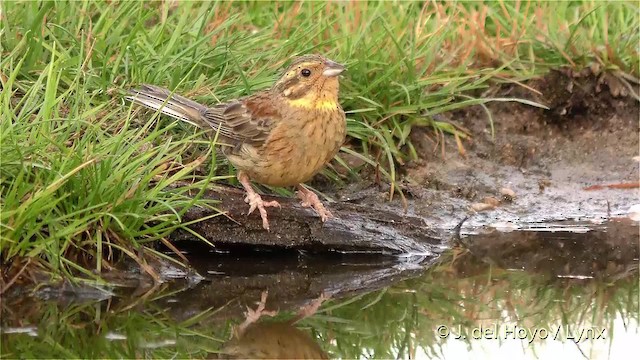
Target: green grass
<point>83,178</point>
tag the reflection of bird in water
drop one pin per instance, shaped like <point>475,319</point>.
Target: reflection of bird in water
<point>273,340</point>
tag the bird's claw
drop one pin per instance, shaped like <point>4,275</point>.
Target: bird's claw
<point>255,202</point>
<point>310,199</point>
<point>312,307</point>
<point>252,316</point>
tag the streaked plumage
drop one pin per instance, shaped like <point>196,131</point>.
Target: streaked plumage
<point>279,137</point>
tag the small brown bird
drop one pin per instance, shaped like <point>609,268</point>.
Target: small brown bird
<point>282,136</point>
<point>273,340</point>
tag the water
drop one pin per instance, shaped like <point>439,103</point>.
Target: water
<point>531,294</point>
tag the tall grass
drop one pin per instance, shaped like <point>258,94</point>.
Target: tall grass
<point>83,176</point>
<point>80,181</point>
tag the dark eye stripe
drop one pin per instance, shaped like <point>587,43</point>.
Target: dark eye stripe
<point>290,82</point>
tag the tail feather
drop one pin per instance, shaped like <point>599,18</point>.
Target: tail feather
<point>176,106</point>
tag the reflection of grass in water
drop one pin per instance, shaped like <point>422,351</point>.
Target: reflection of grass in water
<point>394,322</point>
<point>83,331</point>
<point>397,321</point>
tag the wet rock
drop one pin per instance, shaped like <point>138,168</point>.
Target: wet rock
<point>354,228</point>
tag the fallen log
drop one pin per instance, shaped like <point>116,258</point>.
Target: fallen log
<point>354,228</point>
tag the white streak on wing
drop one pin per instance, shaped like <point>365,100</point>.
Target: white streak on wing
<point>161,106</point>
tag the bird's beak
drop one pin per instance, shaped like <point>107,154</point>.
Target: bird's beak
<point>332,68</point>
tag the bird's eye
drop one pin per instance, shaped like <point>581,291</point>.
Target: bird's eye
<point>305,72</point>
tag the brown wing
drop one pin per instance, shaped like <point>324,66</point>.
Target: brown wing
<point>247,120</point>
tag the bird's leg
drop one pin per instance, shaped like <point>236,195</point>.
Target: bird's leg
<point>310,308</point>
<point>254,200</point>
<point>310,199</point>
<point>251,316</point>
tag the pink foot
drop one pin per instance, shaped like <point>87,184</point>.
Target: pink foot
<point>310,199</point>
<point>251,316</point>
<point>255,201</point>
<point>311,308</point>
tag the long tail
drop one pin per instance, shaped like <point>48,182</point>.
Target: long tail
<point>176,106</point>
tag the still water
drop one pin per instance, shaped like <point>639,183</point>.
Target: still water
<point>532,294</point>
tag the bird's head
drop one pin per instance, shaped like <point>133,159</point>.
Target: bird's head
<point>311,81</point>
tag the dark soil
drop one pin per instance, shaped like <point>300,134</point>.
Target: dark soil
<point>547,157</point>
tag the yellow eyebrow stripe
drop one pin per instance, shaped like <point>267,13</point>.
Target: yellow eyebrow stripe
<point>309,104</point>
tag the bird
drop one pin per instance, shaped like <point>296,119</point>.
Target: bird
<point>281,136</point>
<point>274,339</point>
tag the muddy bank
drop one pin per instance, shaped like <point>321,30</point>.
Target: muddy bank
<point>549,158</point>
<point>535,166</point>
